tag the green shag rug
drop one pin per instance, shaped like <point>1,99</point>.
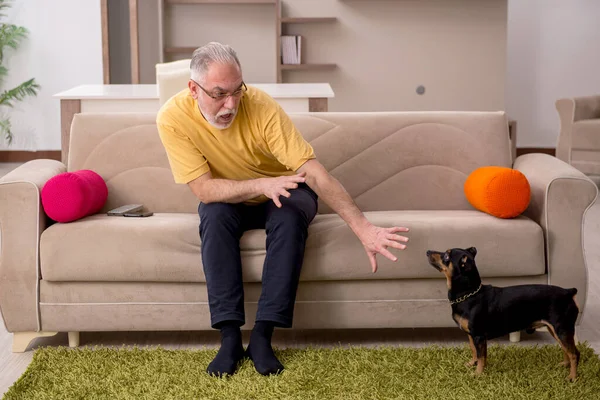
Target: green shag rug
<point>434,372</point>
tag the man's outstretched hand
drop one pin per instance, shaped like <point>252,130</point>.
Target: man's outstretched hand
<point>374,238</point>
<point>377,240</point>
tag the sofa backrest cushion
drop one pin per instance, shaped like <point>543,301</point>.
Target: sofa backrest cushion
<point>385,160</point>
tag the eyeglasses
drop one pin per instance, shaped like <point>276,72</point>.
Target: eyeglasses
<point>219,96</point>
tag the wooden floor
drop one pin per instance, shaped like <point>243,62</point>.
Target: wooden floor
<point>13,365</point>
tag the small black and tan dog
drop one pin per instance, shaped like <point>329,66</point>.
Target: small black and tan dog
<point>487,312</point>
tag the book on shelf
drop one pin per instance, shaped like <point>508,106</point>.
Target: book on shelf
<point>291,49</point>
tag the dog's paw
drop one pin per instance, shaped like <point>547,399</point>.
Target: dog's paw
<point>478,374</point>
<point>479,369</point>
<point>471,363</point>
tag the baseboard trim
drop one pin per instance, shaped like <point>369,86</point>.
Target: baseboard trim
<point>527,150</point>
<point>8,156</point>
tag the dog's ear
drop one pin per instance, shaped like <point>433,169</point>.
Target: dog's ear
<point>473,251</point>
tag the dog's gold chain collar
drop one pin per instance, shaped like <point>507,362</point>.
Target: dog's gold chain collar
<point>461,299</point>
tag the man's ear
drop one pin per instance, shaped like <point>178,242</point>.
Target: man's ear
<point>193,89</point>
<point>473,251</point>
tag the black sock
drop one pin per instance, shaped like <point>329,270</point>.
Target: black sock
<point>230,353</point>
<point>260,351</point>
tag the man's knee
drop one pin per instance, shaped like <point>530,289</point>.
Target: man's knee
<point>300,208</point>
<point>216,215</point>
<point>288,218</point>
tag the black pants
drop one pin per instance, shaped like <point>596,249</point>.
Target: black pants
<point>222,226</point>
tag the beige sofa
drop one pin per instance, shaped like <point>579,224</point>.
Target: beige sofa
<point>106,273</point>
<point>579,139</point>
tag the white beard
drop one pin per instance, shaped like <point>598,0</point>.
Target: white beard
<point>214,120</point>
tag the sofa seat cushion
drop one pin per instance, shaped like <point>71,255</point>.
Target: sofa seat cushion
<point>166,247</point>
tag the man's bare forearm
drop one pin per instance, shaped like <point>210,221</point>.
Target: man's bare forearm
<point>230,191</point>
<point>331,191</point>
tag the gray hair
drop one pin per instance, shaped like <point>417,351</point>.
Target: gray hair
<point>212,52</point>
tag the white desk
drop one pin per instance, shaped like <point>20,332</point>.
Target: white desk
<point>293,97</point>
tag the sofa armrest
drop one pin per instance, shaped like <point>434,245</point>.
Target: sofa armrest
<point>22,220</point>
<point>560,198</point>
<point>571,110</point>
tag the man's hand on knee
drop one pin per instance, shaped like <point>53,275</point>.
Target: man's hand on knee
<point>275,187</point>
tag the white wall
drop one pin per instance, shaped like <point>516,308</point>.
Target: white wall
<point>249,28</point>
<point>385,49</point>
<point>553,52</point>
<point>64,49</point>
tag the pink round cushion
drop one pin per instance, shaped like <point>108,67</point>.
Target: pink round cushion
<point>70,196</point>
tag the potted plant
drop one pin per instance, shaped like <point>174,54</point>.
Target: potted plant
<point>10,37</point>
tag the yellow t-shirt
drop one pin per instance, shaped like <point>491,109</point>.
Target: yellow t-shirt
<point>261,142</point>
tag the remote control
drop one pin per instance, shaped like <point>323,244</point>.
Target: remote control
<point>129,208</point>
<point>139,214</point>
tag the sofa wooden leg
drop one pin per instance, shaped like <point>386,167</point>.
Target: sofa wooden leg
<point>22,339</point>
<point>515,337</point>
<point>73,339</point>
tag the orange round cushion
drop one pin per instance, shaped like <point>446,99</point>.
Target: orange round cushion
<point>499,191</point>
